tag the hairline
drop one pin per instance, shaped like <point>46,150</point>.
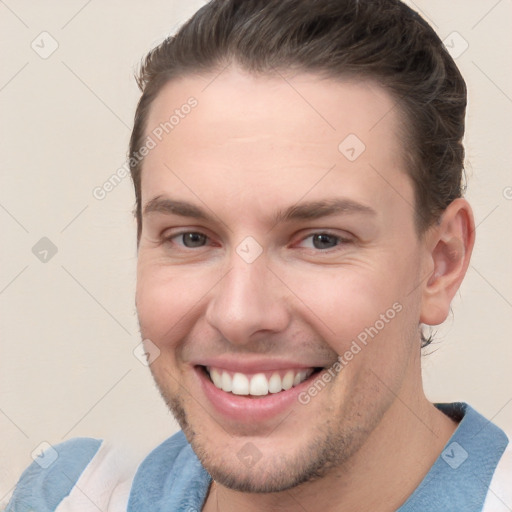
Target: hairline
<point>403,127</point>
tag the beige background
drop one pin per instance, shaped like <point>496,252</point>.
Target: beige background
<point>68,326</point>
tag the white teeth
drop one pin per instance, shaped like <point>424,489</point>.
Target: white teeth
<point>274,383</point>
<point>240,384</point>
<point>299,377</point>
<point>288,380</point>
<point>226,382</point>
<point>216,378</point>
<point>258,384</point>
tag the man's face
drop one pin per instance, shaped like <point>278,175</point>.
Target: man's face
<point>268,250</point>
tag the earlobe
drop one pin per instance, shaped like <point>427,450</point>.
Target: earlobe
<point>449,246</point>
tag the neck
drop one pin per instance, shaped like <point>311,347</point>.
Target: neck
<point>380,476</point>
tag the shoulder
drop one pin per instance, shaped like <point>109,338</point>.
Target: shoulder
<point>499,496</point>
<point>469,470</point>
<point>88,474</point>
<point>170,476</point>
<point>52,475</point>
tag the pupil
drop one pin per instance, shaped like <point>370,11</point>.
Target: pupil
<point>324,241</point>
<point>194,239</point>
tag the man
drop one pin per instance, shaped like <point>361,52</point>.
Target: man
<point>297,168</point>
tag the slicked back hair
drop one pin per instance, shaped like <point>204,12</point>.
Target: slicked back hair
<point>383,41</point>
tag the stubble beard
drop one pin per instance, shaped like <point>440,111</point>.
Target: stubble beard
<point>328,449</point>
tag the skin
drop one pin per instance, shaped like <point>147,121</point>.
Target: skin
<point>251,148</point>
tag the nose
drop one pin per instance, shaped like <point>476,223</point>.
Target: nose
<point>249,301</point>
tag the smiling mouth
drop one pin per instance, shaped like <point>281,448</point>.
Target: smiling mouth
<point>258,384</point>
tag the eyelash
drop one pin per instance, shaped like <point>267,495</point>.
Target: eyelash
<point>341,241</point>
<point>170,239</point>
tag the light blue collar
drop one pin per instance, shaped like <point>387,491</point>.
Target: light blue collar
<point>459,479</point>
<point>171,478</point>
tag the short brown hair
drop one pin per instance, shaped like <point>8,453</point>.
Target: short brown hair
<point>380,40</point>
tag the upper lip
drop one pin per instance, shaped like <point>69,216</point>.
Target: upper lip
<point>254,365</point>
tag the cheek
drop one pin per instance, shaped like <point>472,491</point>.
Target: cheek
<point>366,318</point>
<point>344,298</point>
<point>168,301</point>
<point>350,304</point>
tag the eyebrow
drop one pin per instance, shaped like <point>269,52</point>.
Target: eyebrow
<point>316,209</point>
<point>302,211</point>
<point>168,206</point>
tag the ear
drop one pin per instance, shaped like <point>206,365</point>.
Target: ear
<point>448,247</point>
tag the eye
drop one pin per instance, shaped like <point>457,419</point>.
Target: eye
<point>190,239</point>
<point>322,241</point>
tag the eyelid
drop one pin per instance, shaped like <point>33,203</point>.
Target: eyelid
<point>176,232</point>
<point>342,239</point>
<point>167,235</point>
<point>344,236</point>
<point>180,230</point>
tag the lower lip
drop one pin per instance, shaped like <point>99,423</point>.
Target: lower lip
<point>243,409</point>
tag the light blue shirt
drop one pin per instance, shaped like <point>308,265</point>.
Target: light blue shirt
<point>172,479</point>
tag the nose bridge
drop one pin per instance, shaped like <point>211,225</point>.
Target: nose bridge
<point>247,300</point>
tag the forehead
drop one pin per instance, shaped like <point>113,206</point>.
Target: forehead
<point>278,134</point>
<point>233,99</point>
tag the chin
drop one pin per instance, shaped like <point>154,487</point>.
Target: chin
<point>277,460</point>
<point>269,474</point>
<point>270,464</point>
